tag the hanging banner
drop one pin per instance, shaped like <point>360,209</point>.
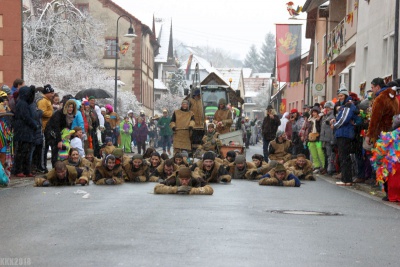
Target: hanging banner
<point>288,52</point>
<point>282,106</point>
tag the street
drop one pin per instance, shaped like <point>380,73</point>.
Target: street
<point>241,224</point>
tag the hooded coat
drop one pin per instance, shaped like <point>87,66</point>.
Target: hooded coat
<point>223,115</point>
<point>25,124</point>
<point>58,122</point>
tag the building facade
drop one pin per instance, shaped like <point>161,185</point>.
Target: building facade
<point>11,43</point>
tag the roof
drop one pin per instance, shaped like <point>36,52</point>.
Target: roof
<point>159,85</point>
<point>203,64</point>
<point>234,73</point>
<point>261,75</point>
<point>247,72</point>
<point>311,4</point>
<point>163,32</point>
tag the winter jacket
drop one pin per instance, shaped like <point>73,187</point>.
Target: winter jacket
<point>163,124</point>
<point>37,113</point>
<point>78,120</point>
<point>197,109</point>
<point>44,104</point>
<point>326,134</point>
<point>140,132</point>
<point>25,124</point>
<point>270,126</point>
<point>344,120</point>
<point>288,180</point>
<point>58,122</point>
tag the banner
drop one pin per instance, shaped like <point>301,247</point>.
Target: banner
<point>288,52</point>
<point>282,106</point>
<point>189,66</point>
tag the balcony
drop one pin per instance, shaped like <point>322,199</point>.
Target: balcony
<point>342,39</point>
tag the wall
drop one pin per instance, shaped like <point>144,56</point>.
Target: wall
<point>10,41</point>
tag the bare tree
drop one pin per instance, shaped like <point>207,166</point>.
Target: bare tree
<point>64,47</point>
<point>168,101</point>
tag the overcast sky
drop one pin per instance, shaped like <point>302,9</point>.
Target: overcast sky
<point>232,25</point>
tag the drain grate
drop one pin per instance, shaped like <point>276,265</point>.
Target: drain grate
<point>305,212</point>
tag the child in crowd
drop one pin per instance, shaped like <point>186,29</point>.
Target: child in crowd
<point>76,141</point>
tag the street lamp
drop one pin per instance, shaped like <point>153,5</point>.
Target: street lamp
<point>130,34</point>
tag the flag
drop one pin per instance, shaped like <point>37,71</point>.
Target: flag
<point>288,52</point>
<point>188,67</point>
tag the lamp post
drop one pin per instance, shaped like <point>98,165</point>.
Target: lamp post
<point>130,34</point>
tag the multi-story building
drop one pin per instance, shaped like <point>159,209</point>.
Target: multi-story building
<point>11,41</point>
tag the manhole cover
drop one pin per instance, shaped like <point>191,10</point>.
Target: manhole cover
<point>306,212</point>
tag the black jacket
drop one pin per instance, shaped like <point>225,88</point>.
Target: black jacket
<point>57,123</point>
<point>25,124</point>
<point>270,126</point>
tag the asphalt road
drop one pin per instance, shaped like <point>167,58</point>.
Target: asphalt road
<point>240,225</point>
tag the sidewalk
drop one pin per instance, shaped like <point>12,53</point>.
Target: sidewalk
<point>369,189</point>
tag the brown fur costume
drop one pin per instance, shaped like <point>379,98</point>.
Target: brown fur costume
<point>305,173</point>
<point>274,181</point>
<point>184,120</point>
<point>384,108</point>
<point>141,175</point>
<point>165,189</point>
<point>217,174</point>
<point>159,173</point>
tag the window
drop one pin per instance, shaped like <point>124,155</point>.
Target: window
<point>84,8</point>
<point>1,21</point>
<point>365,62</point>
<point>1,48</point>
<point>1,77</point>
<point>324,48</point>
<point>248,100</point>
<point>110,50</point>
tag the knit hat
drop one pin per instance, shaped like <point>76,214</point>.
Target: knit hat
<point>301,156</point>
<point>103,109</point>
<point>240,159</point>
<point>272,163</point>
<point>279,133</point>
<point>315,108</point>
<point>6,89</point>
<point>329,104</point>
<point>270,107</point>
<point>178,156</point>
<point>118,152</point>
<point>209,155</point>
<point>231,154</point>
<point>306,114</point>
<point>258,156</point>
<point>91,97</point>
<point>89,151</point>
<point>185,154</point>
<point>185,102</point>
<point>137,156</point>
<point>130,111</point>
<point>293,111</point>
<point>109,108</point>
<point>279,168</point>
<point>47,89</point>
<point>184,172</point>
<point>222,101</point>
<point>196,92</point>
<point>108,139</point>
<point>343,90</point>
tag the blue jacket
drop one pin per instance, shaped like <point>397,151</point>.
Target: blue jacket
<point>344,120</point>
<point>78,120</point>
<point>380,91</point>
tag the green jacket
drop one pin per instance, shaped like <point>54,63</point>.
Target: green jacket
<point>163,124</point>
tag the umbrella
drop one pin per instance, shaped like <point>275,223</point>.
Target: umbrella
<point>96,92</point>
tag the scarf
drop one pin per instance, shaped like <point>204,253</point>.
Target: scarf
<point>74,164</point>
<point>237,174</point>
<point>70,118</point>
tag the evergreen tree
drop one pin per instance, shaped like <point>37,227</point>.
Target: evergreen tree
<point>268,53</point>
<point>252,59</point>
<point>177,82</point>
